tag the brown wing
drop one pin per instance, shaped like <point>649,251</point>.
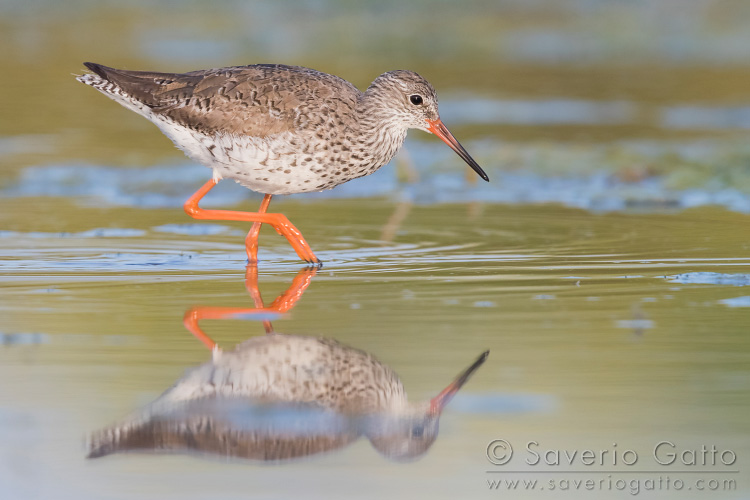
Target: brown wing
<point>257,100</point>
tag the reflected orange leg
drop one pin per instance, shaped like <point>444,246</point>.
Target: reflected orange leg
<point>282,304</point>
<point>251,285</point>
<point>278,221</point>
<point>287,300</point>
<point>190,320</point>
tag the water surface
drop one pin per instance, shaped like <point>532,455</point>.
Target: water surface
<point>605,267</point>
<point>601,328</point>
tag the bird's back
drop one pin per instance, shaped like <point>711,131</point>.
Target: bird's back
<point>255,101</point>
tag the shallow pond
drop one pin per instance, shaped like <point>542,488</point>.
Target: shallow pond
<point>604,331</point>
<point>606,267</point>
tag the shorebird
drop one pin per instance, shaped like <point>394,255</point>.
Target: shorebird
<point>280,397</point>
<point>278,129</point>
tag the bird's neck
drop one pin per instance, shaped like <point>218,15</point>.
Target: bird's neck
<point>381,134</point>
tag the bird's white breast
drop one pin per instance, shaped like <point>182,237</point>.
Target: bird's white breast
<point>282,163</point>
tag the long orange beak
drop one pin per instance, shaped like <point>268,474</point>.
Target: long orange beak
<point>440,130</point>
<point>438,402</point>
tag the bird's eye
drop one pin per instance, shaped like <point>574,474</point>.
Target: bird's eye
<point>415,99</point>
<point>417,431</point>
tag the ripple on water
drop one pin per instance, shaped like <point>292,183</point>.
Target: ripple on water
<point>197,229</point>
<point>709,278</point>
<point>101,232</point>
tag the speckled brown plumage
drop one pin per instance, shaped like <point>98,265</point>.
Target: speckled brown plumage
<point>258,100</point>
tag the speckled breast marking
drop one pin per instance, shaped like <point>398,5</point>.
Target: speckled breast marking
<point>283,163</point>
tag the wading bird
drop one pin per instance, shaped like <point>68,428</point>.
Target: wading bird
<point>278,129</point>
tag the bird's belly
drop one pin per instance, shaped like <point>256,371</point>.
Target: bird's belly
<point>279,164</point>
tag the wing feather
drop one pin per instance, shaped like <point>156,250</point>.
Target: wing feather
<point>256,101</point>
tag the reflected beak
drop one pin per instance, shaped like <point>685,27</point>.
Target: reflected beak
<point>440,130</point>
<point>438,402</point>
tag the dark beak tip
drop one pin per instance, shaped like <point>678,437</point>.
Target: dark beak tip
<point>479,170</point>
<point>482,358</point>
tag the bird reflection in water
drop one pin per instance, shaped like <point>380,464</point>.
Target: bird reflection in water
<point>280,397</point>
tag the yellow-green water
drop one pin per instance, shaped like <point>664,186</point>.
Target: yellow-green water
<point>593,338</point>
<point>614,302</point>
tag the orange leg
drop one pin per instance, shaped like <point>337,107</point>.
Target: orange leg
<point>251,242</point>
<point>282,304</point>
<point>278,221</point>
